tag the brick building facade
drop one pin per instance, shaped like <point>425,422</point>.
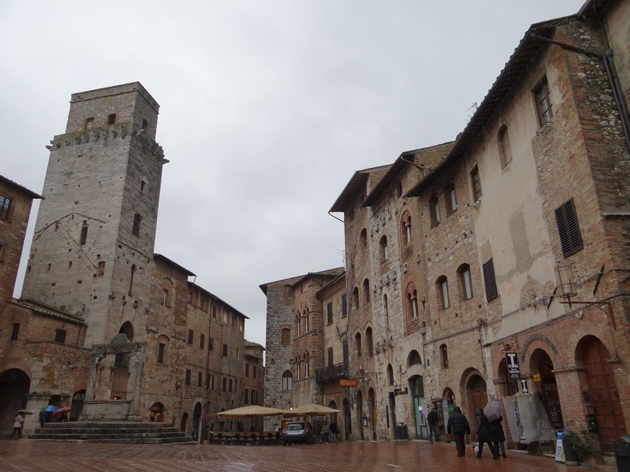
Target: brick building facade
<point>511,240</point>
<point>104,324</point>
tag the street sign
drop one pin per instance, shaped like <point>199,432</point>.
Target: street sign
<point>524,388</point>
<point>348,382</point>
<point>512,365</point>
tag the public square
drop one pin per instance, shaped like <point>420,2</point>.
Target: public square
<point>48,456</point>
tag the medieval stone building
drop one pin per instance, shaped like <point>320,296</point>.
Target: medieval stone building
<point>104,324</point>
<point>510,241</point>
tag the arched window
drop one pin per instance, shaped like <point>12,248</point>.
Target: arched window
<point>355,298</point>
<point>369,342</point>
<point>137,219</point>
<point>127,330</point>
<point>364,237</point>
<point>298,374</point>
<point>306,321</point>
<point>444,356</point>
<point>441,286</point>
<point>412,301</point>
<point>383,249</point>
<point>406,228</point>
<point>366,291</point>
<point>133,271</point>
<point>505,151</point>
<point>390,374</point>
<point>357,343</point>
<point>465,285</point>
<point>84,232</point>
<point>414,358</point>
<point>434,205</point>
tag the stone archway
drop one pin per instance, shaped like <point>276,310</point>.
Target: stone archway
<point>476,397</point>
<point>76,407</point>
<point>157,413</point>
<point>541,365</point>
<point>14,386</point>
<point>601,395</point>
<point>196,425</point>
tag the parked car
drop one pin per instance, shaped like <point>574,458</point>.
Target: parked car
<point>297,432</point>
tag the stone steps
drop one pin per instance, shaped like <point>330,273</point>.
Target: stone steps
<point>108,432</point>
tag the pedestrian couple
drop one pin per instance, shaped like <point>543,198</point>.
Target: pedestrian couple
<point>488,432</point>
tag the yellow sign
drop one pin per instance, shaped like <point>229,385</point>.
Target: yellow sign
<point>536,377</point>
<point>348,383</point>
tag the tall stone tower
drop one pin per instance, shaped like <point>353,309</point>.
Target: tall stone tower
<point>92,249</point>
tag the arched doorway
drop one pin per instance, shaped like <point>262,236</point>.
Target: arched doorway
<point>184,424</point>
<point>157,413</point>
<point>416,385</point>
<point>76,407</point>
<point>542,364</point>
<point>510,385</point>
<point>374,411</point>
<point>127,329</point>
<point>360,403</point>
<point>477,398</point>
<point>14,385</point>
<point>347,419</point>
<point>603,395</point>
<point>333,416</point>
<point>196,422</point>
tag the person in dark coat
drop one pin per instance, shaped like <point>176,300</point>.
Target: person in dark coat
<point>333,432</point>
<point>432,422</point>
<point>497,435</point>
<point>484,434</point>
<point>458,423</point>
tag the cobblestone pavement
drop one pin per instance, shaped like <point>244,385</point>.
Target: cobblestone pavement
<point>49,456</point>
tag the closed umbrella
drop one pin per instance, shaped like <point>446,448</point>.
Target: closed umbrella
<point>494,409</point>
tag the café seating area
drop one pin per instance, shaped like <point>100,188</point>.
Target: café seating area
<point>246,439</point>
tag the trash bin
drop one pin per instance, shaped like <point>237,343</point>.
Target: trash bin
<point>622,453</point>
<point>570,457</point>
<point>400,431</point>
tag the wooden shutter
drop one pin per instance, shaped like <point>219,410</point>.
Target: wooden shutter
<point>569,229</point>
<point>490,281</point>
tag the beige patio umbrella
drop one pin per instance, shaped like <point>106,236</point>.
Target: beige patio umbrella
<point>311,409</point>
<point>252,410</point>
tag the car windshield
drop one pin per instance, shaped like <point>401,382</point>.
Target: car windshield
<point>294,426</point>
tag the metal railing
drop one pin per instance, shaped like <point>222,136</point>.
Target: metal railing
<point>332,372</point>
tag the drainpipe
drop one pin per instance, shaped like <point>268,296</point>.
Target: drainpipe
<point>335,217</point>
<point>610,72</point>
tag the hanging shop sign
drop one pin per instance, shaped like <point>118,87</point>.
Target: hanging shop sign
<point>536,377</point>
<point>524,388</point>
<point>512,365</point>
<point>348,382</point>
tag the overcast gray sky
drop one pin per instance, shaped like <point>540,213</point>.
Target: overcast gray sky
<point>267,109</point>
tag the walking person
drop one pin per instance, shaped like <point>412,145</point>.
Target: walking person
<point>484,434</point>
<point>498,436</point>
<point>17,426</point>
<point>432,422</point>
<point>325,431</point>
<point>333,432</point>
<point>458,423</point>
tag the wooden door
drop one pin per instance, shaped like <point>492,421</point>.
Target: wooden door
<point>479,399</point>
<point>603,393</point>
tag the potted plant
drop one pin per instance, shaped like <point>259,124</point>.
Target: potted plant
<point>586,448</point>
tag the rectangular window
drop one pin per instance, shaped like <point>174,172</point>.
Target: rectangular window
<point>191,334</point>
<point>189,297</point>
<point>436,211</point>
<point>445,294</point>
<point>246,370</point>
<point>254,397</point>
<point>225,350</point>
<point>188,376</point>
<point>467,287</point>
<point>210,344</point>
<point>246,396</point>
<point>161,348</point>
<point>2,250</point>
<point>202,341</point>
<point>214,311</point>
<point>199,379</point>
<point>5,206</point>
<point>230,385</point>
<point>490,281</point>
<point>286,336</point>
<point>451,198</point>
<point>224,384</point>
<point>476,183</point>
<point>164,297</point>
<point>212,382</point>
<point>569,229</point>
<point>83,236</point>
<point>254,371</point>
<point>330,357</point>
<point>202,303</point>
<point>330,313</point>
<point>345,352</point>
<point>543,103</point>
<point>344,306</point>
<point>60,336</point>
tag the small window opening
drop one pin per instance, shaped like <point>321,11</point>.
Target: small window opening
<point>111,119</point>
<point>145,125</point>
<point>89,123</point>
<point>15,332</point>
<point>83,237</point>
<point>136,224</point>
<point>60,336</point>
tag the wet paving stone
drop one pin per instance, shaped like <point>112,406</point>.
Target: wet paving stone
<point>53,456</point>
